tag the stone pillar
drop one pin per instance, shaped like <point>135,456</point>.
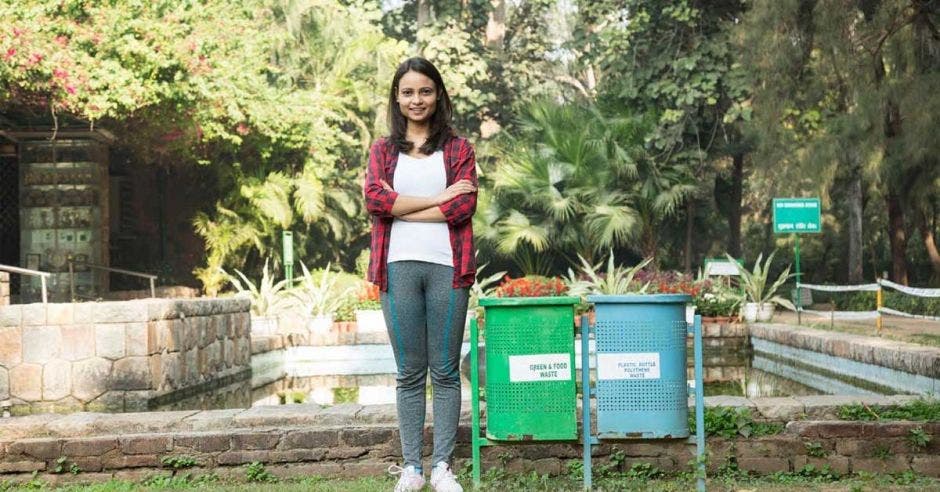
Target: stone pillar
<point>4,288</point>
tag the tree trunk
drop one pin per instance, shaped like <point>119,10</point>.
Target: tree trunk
<point>649,244</point>
<point>898,237</point>
<point>687,254</point>
<point>424,13</point>
<point>734,207</point>
<point>855,226</point>
<point>496,25</point>
<point>930,243</point>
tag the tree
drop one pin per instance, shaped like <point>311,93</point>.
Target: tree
<point>676,60</point>
<point>836,87</point>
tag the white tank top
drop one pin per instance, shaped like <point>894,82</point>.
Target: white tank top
<point>420,241</point>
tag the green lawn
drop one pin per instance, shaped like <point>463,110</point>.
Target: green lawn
<point>502,481</point>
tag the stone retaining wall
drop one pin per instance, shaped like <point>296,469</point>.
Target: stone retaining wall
<point>119,356</point>
<point>353,440</point>
<point>4,288</point>
<point>901,356</point>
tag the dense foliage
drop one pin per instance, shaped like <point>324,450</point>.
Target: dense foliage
<point>649,128</point>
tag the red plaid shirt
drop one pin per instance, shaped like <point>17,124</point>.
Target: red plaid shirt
<point>460,163</point>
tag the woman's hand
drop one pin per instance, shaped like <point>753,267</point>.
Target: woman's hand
<point>461,187</point>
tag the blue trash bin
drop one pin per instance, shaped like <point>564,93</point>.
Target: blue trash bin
<point>641,388</point>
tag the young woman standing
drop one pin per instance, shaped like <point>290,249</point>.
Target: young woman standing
<point>420,190</point>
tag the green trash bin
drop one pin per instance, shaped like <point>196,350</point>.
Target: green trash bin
<point>530,375</point>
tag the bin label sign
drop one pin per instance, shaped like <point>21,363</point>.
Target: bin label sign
<point>539,367</point>
<point>644,365</point>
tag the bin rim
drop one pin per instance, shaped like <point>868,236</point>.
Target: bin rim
<point>530,301</point>
<point>640,299</point>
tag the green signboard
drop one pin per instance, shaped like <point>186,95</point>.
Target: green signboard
<point>288,239</point>
<point>797,215</point>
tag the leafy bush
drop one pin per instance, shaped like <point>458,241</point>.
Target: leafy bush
<point>531,286</point>
<point>866,301</point>
<point>729,422</point>
<point>255,472</point>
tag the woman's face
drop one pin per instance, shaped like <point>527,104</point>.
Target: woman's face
<point>417,97</point>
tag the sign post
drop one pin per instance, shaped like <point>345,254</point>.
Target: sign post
<point>797,216</point>
<point>287,238</point>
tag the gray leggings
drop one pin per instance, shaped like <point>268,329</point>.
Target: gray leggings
<point>425,317</point>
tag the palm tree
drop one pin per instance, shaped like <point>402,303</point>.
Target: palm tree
<point>576,182</point>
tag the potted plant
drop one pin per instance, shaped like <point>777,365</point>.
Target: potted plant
<point>344,319</point>
<point>318,296</point>
<point>369,318</point>
<point>717,302</point>
<point>761,297</point>
<point>268,299</point>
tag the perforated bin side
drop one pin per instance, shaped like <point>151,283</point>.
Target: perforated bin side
<point>643,408</point>
<point>529,410</point>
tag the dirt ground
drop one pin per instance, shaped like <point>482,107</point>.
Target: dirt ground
<point>924,332</point>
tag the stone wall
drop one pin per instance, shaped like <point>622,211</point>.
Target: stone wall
<point>4,288</point>
<point>119,356</point>
<point>355,440</point>
<point>902,356</point>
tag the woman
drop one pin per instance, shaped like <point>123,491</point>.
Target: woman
<point>420,190</point>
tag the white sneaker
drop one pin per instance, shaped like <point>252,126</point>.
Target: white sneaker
<point>443,480</point>
<point>410,479</point>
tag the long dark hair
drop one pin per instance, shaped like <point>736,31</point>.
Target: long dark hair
<point>440,129</point>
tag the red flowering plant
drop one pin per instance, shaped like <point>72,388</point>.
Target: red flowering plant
<point>368,297</point>
<point>531,286</point>
<point>670,283</point>
<point>711,299</point>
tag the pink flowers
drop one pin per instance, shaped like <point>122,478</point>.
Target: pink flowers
<point>11,52</point>
<point>35,58</point>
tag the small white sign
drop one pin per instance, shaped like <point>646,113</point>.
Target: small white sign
<point>539,367</point>
<point>719,267</point>
<point>643,365</point>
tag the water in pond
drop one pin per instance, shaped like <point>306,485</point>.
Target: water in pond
<point>364,374</point>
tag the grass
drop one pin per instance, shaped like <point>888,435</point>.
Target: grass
<point>922,409</point>
<point>638,477</point>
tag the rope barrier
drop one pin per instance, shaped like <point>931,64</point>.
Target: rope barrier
<point>879,300</point>
<point>841,288</point>
<point>895,312</point>
<point>846,315</point>
<point>911,291</point>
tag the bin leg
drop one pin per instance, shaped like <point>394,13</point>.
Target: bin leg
<point>586,401</point>
<point>475,400</point>
<point>699,408</point>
